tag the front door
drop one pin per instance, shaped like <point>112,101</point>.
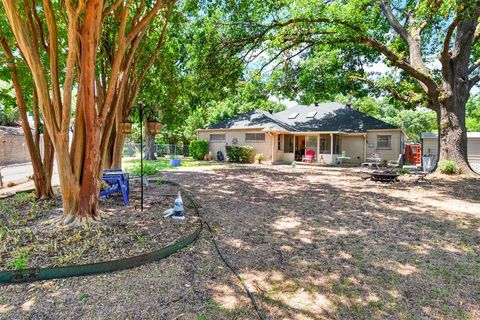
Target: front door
<point>299,147</point>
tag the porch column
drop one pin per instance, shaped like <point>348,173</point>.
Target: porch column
<point>318,148</point>
<point>293,147</point>
<point>272,135</point>
<point>365,148</point>
<point>331,146</point>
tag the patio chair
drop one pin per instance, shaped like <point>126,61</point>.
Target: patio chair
<point>396,164</point>
<point>428,165</point>
<point>309,156</point>
<point>373,161</point>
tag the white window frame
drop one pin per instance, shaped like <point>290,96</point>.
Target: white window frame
<point>389,142</point>
<point>217,140</point>
<point>255,137</point>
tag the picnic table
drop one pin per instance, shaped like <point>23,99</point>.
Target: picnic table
<point>117,182</point>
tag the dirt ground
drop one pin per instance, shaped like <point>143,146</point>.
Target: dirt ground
<point>312,243</point>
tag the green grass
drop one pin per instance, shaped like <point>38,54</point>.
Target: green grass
<point>153,167</point>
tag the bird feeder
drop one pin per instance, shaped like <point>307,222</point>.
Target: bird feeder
<point>154,127</point>
<point>126,127</point>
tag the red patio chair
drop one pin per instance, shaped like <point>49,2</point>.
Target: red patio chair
<point>309,156</point>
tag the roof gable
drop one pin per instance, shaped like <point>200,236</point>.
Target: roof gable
<point>323,117</point>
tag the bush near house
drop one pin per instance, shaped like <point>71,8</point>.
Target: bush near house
<point>198,149</point>
<point>243,154</point>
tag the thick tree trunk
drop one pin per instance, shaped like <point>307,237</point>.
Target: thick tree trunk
<point>150,145</point>
<point>452,135</point>
<point>118,150</point>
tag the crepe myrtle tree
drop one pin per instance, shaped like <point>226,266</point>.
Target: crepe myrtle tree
<point>26,96</point>
<point>75,29</point>
<point>432,47</point>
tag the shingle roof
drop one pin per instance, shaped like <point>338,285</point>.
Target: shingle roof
<point>252,119</point>
<point>324,117</point>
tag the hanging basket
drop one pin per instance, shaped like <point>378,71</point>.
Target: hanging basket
<point>126,127</point>
<point>154,126</point>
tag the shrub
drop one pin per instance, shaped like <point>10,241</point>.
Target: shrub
<point>259,157</point>
<point>403,171</point>
<point>198,149</point>
<point>243,154</point>
<point>447,166</point>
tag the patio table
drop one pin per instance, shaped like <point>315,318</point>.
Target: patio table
<point>341,159</point>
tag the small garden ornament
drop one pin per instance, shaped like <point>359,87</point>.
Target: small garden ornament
<point>177,211</point>
<point>178,208</point>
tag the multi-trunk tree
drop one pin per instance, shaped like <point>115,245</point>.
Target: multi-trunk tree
<point>76,29</point>
<point>42,166</point>
<point>432,48</point>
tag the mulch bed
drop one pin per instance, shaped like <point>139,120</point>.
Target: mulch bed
<point>30,239</point>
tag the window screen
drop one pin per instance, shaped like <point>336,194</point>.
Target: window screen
<point>255,136</point>
<point>384,142</point>
<point>217,137</point>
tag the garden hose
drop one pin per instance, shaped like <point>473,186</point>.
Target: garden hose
<point>38,274</point>
<point>249,292</point>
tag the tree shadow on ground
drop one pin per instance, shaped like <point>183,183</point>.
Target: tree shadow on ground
<point>312,245</point>
<point>342,249</point>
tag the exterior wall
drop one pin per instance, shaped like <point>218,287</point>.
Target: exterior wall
<point>354,148</point>
<point>430,146</point>
<point>385,154</point>
<point>264,147</point>
<point>13,148</point>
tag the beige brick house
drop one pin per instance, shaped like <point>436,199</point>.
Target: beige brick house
<point>326,128</point>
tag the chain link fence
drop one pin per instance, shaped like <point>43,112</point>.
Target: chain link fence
<point>161,150</point>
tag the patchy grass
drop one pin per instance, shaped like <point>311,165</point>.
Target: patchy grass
<point>153,167</point>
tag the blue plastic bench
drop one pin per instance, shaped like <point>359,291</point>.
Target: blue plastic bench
<point>117,182</point>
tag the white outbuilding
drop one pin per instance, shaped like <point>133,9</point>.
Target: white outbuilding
<point>430,146</point>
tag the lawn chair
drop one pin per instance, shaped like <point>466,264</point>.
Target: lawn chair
<point>309,156</point>
<point>427,167</point>
<point>396,164</point>
<point>116,181</point>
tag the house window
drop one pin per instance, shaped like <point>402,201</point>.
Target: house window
<point>384,142</point>
<point>217,137</point>
<point>279,146</point>
<point>256,137</point>
<point>288,143</point>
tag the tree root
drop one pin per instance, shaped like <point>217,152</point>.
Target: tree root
<point>72,221</point>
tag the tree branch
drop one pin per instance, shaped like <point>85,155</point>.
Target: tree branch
<point>414,100</point>
<point>392,20</point>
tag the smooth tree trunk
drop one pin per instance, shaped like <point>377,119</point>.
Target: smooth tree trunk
<point>42,168</point>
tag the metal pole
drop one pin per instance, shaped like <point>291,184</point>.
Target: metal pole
<point>141,155</point>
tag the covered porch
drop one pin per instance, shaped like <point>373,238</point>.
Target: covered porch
<point>326,147</point>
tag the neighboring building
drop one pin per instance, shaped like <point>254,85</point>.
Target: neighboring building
<point>13,148</point>
<point>430,147</point>
<point>326,128</point>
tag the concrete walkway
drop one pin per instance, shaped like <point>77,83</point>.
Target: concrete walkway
<point>19,175</point>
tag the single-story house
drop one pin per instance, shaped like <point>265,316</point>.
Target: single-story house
<point>327,128</point>
<point>430,147</point>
